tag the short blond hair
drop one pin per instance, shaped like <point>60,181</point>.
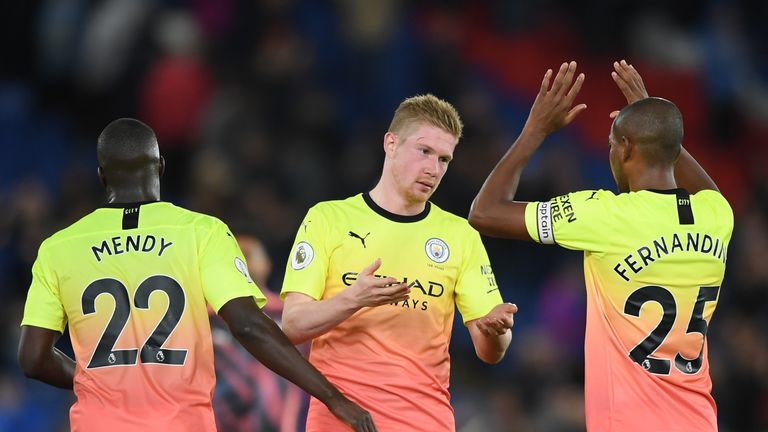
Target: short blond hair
<point>427,109</point>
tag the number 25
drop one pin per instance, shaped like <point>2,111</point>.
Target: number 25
<point>641,353</point>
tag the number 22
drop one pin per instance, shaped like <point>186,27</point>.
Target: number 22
<point>152,351</point>
<point>641,353</point>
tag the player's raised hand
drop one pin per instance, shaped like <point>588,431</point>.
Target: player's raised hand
<point>629,81</point>
<point>553,107</point>
<point>372,290</point>
<point>498,321</point>
<point>350,413</point>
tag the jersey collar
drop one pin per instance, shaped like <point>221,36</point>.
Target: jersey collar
<point>675,191</point>
<point>393,216</point>
<point>128,204</point>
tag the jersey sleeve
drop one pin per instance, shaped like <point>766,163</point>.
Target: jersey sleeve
<point>223,271</point>
<point>476,290</point>
<point>307,266</point>
<point>44,307</point>
<point>578,220</point>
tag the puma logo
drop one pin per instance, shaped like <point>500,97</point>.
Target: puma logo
<point>592,196</point>
<point>362,239</point>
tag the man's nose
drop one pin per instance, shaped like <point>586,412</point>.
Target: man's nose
<point>432,167</point>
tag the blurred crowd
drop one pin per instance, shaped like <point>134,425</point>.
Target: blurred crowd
<point>263,108</point>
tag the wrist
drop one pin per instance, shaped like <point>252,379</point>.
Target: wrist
<point>347,300</point>
<point>532,135</point>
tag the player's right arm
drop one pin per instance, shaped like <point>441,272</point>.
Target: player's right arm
<point>264,340</point>
<point>305,318</point>
<point>43,323</point>
<point>689,174</point>
<point>40,360</point>
<point>494,211</point>
<point>307,311</point>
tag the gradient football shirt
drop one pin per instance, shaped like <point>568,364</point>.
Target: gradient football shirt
<point>653,264</point>
<point>132,283</point>
<point>392,359</point>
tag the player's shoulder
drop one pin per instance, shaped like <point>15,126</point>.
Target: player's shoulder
<point>202,223</point>
<point>442,216</point>
<point>716,203</point>
<point>713,198</point>
<point>76,229</point>
<point>337,208</point>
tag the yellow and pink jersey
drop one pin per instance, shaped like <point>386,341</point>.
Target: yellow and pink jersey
<point>654,262</point>
<point>393,359</point>
<point>132,283</point>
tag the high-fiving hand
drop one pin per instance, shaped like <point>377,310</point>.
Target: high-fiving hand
<point>553,107</point>
<point>628,79</point>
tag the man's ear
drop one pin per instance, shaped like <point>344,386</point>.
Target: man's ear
<point>102,177</point>
<point>161,167</point>
<point>390,143</point>
<point>628,149</point>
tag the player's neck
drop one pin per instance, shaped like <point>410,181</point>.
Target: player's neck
<point>653,178</point>
<point>119,196</point>
<point>387,197</point>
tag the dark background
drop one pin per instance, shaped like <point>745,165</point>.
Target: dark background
<point>264,108</point>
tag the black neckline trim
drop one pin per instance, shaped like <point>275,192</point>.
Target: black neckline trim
<point>393,216</point>
<point>668,191</point>
<point>128,204</point>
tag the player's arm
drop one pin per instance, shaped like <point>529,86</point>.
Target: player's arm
<point>265,341</point>
<point>492,334</point>
<point>41,360</point>
<point>689,174</point>
<point>494,211</point>
<point>305,318</point>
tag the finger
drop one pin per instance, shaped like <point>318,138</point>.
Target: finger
<point>613,114</point>
<point>511,308</point>
<point>371,268</point>
<point>574,112</point>
<point>557,84</point>
<point>570,71</point>
<point>382,282</point>
<point>575,89</point>
<point>545,82</point>
<point>393,290</point>
<point>482,326</point>
<point>621,82</point>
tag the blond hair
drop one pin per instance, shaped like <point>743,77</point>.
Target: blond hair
<point>428,109</point>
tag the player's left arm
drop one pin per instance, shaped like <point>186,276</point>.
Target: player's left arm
<point>689,174</point>
<point>41,360</point>
<point>492,334</point>
<point>494,211</point>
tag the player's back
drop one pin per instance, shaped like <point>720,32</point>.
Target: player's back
<point>130,281</point>
<point>653,265</point>
<point>653,282</point>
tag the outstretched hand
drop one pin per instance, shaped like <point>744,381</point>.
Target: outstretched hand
<point>498,321</point>
<point>372,290</point>
<point>630,83</point>
<point>553,107</point>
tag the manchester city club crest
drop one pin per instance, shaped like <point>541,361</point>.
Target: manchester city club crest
<point>437,250</point>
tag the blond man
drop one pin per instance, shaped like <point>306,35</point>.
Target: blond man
<point>373,281</point>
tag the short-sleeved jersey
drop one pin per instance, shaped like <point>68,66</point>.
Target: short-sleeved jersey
<point>132,284</point>
<point>393,359</point>
<point>653,264</point>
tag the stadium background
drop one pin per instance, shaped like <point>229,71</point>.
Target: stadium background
<point>264,108</point>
